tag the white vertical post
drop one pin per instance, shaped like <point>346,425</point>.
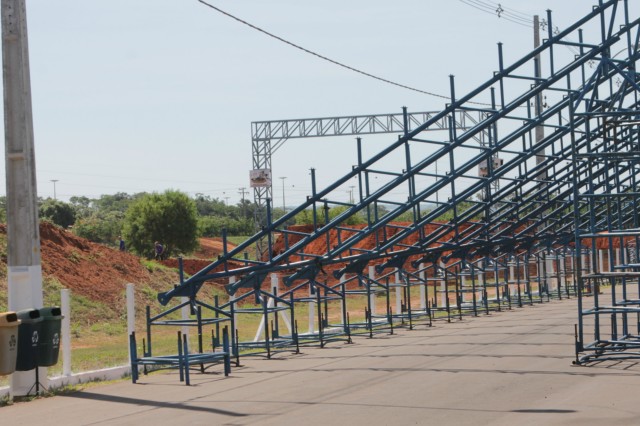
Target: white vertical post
<point>372,294</point>
<point>601,260</point>
<point>131,312</point>
<point>232,297</point>
<point>270,304</point>
<point>396,278</point>
<point>443,286</point>
<point>312,311</point>
<point>463,286</point>
<point>65,307</point>
<point>343,314</point>
<point>423,283</point>
<point>275,284</point>
<point>539,268</point>
<point>185,316</point>
<point>550,276</point>
<point>618,255</point>
<point>573,265</point>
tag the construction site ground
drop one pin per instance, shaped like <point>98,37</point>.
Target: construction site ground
<point>507,368</point>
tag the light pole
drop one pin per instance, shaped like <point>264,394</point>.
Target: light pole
<point>284,209</point>
<point>244,208</point>
<point>54,187</point>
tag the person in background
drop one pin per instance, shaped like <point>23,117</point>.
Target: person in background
<point>159,250</point>
<point>120,243</point>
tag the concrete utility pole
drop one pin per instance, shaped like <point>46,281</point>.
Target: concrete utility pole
<point>242,191</point>
<point>23,235</point>
<point>284,205</point>
<point>539,132</point>
<point>54,188</point>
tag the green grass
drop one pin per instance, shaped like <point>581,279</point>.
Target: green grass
<point>101,344</point>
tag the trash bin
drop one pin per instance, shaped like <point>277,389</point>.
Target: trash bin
<point>28,337</point>
<point>8,342</point>
<point>49,343</point>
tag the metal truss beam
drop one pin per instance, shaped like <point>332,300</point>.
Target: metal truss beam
<point>529,213</point>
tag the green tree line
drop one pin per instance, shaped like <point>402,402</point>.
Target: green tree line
<point>172,218</point>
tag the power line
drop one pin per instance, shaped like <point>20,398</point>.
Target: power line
<point>511,11</point>
<point>340,64</point>
<point>511,15</point>
<point>499,12</point>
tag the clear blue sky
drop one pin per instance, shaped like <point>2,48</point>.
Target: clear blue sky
<point>141,95</point>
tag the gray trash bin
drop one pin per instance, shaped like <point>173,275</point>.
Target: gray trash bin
<point>8,342</point>
<point>28,337</point>
<point>49,341</point>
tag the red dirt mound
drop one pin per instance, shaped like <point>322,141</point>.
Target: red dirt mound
<point>88,269</point>
<point>211,248</point>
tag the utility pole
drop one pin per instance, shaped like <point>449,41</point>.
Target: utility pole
<point>539,132</point>
<point>24,274</point>
<point>242,191</point>
<point>284,208</point>
<point>54,188</point>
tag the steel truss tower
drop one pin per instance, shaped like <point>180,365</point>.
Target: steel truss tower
<point>267,137</point>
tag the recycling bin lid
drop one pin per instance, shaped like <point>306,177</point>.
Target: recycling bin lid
<point>9,319</point>
<point>51,312</point>
<point>29,316</point>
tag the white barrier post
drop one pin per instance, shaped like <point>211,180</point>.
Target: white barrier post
<point>232,297</point>
<point>396,278</point>
<point>65,307</point>
<point>600,260</point>
<point>312,311</point>
<point>443,285</point>
<point>131,312</point>
<point>423,284</point>
<point>372,294</point>
<point>185,316</point>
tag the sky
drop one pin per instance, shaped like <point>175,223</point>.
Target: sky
<point>149,95</point>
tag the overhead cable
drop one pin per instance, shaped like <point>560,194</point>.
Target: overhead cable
<point>340,64</point>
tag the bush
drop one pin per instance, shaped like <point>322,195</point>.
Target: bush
<point>170,218</point>
<point>58,212</point>
<point>100,227</point>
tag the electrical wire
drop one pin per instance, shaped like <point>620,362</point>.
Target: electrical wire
<point>487,8</point>
<point>340,64</point>
<point>510,15</point>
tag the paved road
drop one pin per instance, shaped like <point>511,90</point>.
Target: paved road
<point>509,368</point>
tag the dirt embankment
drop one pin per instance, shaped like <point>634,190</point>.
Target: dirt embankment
<point>92,270</point>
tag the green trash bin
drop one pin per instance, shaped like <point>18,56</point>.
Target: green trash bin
<point>9,323</point>
<point>28,337</point>
<point>49,343</point>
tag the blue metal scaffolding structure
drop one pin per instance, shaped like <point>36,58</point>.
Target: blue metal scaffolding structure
<point>510,230</point>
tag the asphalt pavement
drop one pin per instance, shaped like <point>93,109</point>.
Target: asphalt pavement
<point>506,368</point>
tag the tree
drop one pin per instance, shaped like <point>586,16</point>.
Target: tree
<point>58,212</point>
<point>170,218</point>
<point>100,227</point>
<point>116,202</point>
<point>81,205</point>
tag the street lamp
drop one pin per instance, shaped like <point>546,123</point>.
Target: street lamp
<point>54,187</point>
<point>284,209</point>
